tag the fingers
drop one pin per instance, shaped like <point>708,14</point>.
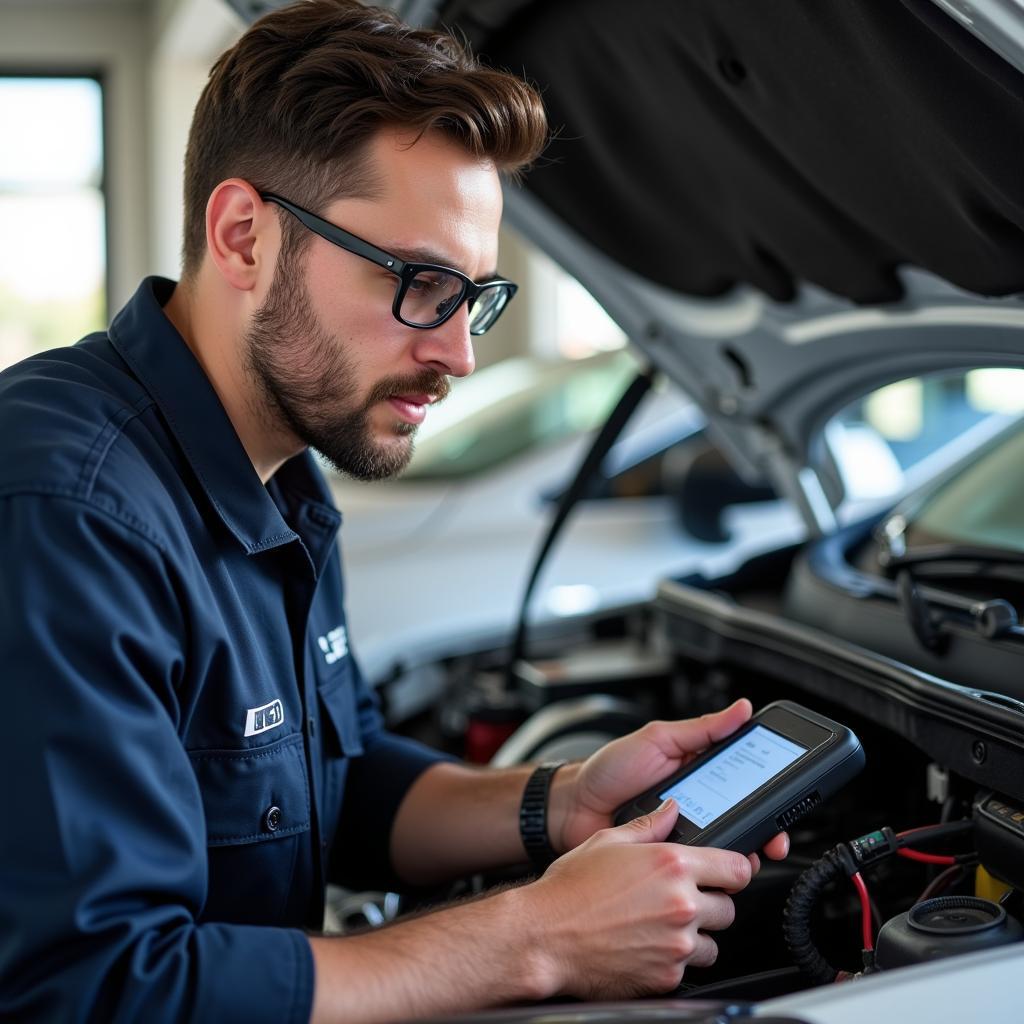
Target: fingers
<point>715,911</point>
<point>692,734</point>
<point>755,863</point>
<point>716,869</point>
<point>777,848</point>
<point>648,828</point>
<point>705,951</point>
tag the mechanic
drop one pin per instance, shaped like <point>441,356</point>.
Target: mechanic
<point>190,751</point>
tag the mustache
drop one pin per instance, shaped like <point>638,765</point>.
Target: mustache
<point>426,382</point>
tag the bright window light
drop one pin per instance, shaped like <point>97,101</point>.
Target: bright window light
<point>897,411</point>
<point>996,390</point>
<point>52,213</point>
<point>583,326</point>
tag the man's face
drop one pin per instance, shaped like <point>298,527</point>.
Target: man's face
<point>332,365</point>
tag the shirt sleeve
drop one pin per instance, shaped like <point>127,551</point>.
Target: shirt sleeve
<point>103,848</point>
<point>376,785</point>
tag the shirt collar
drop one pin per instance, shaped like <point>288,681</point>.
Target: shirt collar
<point>164,364</point>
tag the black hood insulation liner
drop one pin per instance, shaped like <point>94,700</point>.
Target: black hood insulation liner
<point>708,143</point>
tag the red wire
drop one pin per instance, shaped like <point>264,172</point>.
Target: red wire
<point>865,910</point>
<point>926,858</point>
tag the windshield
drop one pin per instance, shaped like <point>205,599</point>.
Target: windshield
<point>980,505</point>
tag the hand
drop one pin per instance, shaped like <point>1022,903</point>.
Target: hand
<point>588,798</point>
<point>625,912</point>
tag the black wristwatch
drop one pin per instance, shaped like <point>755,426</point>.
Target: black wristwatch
<point>533,815</point>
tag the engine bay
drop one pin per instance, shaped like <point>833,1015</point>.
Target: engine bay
<point>918,858</point>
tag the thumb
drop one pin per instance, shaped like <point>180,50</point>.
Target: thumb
<point>651,828</point>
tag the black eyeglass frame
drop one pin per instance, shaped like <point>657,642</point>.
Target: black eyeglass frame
<point>403,270</point>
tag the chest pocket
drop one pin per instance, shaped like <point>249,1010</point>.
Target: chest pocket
<point>336,688</point>
<point>254,795</point>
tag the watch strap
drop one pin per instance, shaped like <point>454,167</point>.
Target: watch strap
<point>533,814</point>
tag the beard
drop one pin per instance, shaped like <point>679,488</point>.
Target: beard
<point>307,383</point>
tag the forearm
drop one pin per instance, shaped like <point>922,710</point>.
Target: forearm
<point>451,961</point>
<point>456,820</point>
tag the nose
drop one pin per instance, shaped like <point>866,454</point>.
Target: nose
<point>448,348</point>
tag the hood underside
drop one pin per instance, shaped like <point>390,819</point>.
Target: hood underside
<point>710,143</point>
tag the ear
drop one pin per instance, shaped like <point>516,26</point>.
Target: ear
<point>242,235</point>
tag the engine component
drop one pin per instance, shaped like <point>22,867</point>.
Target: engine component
<point>943,927</point>
<point>849,859</point>
<point>999,834</point>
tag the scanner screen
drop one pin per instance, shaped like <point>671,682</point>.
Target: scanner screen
<point>731,775</point>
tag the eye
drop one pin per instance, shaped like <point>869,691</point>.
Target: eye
<point>424,283</point>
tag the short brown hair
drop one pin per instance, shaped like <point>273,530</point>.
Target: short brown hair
<point>292,104</point>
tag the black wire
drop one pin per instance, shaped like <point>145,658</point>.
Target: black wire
<point>933,832</point>
<point>953,874</point>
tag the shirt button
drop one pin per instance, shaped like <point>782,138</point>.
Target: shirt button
<point>272,819</point>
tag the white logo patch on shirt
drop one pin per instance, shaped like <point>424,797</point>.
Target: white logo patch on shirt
<point>334,644</point>
<point>260,719</point>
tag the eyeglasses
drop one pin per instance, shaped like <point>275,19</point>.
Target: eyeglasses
<point>427,294</point>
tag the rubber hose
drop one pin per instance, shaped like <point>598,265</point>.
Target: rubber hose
<point>796,918</point>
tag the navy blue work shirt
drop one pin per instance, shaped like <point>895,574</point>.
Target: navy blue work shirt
<point>181,712</point>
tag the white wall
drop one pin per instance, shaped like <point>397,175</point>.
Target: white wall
<point>187,37</point>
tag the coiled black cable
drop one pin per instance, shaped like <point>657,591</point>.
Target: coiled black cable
<point>796,918</point>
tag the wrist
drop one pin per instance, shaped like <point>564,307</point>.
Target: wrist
<point>562,802</point>
<point>539,965</point>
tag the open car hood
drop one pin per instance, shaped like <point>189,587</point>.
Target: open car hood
<point>785,205</point>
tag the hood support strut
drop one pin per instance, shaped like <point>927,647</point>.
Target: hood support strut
<point>624,409</point>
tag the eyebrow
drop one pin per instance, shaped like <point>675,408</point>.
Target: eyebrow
<point>430,256</point>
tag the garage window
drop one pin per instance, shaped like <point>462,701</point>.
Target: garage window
<point>52,212</point>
